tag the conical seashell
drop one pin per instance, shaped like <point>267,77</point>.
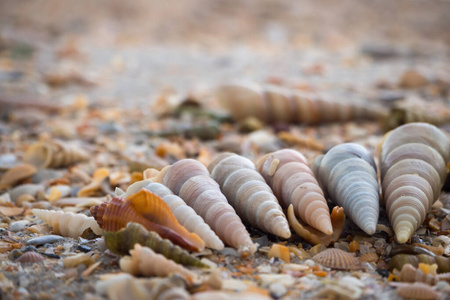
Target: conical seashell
<point>399,260</point>
<point>54,154</point>
<point>411,274</point>
<point>67,223</point>
<point>337,259</point>
<point>348,175</point>
<point>149,210</point>
<point>413,161</point>
<point>30,257</point>
<point>249,194</point>
<point>276,104</point>
<point>190,180</point>
<point>143,261</point>
<point>16,174</point>
<point>292,181</point>
<point>417,290</point>
<point>122,241</point>
<point>185,214</point>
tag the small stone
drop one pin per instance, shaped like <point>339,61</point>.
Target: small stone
<point>44,240</point>
<point>18,225</point>
<point>84,248</point>
<point>277,290</point>
<point>383,272</point>
<point>412,79</point>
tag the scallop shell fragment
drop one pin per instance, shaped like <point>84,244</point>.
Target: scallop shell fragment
<point>337,259</point>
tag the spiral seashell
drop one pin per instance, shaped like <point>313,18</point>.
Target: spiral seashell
<point>292,181</point>
<point>144,261</point>
<point>273,104</point>
<point>147,209</point>
<point>67,223</point>
<point>413,161</point>
<point>184,214</point>
<point>30,257</point>
<point>337,259</point>
<point>54,154</point>
<point>190,180</point>
<point>411,274</point>
<point>417,290</point>
<point>17,174</point>
<point>122,241</point>
<point>348,174</point>
<point>249,194</point>
<point>399,260</point>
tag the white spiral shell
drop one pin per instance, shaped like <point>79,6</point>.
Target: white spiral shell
<point>184,214</point>
<point>348,174</point>
<point>249,194</point>
<point>413,160</point>
<point>67,223</point>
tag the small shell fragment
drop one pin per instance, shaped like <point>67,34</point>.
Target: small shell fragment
<point>280,251</point>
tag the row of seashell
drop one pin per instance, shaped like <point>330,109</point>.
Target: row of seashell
<point>232,190</point>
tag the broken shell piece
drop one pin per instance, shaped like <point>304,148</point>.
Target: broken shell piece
<point>315,236</point>
<point>122,241</point>
<point>337,259</point>
<point>67,223</point>
<point>148,209</point>
<point>279,251</point>
<point>370,257</point>
<point>75,260</point>
<point>17,174</point>
<point>146,262</point>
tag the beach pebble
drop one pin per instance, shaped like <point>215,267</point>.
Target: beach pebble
<point>18,225</point>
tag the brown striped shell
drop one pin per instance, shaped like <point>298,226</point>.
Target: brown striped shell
<point>413,161</point>
<point>30,257</point>
<point>337,259</point>
<point>147,209</point>
<point>369,257</point>
<point>273,104</point>
<point>411,274</point>
<point>17,174</point>
<point>249,194</point>
<point>417,290</point>
<point>292,181</point>
<point>190,180</point>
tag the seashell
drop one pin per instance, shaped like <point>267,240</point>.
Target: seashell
<point>17,174</point>
<point>399,260</point>
<point>54,154</point>
<point>45,239</point>
<point>122,241</point>
<point>30,257</point>
<point>147,209</point>
<point>67,223</point>
<point>143,261</point>
<point>11,211</point>
<point>411,274</point>
<point>348,174</point>
<point>314,236</point>
<point>184,214</point>
<point>30,189</point>
<point>190,180</point>
<point>78,259</point>
<point>248,193</point>
<point>417,290</point>
<point>369,257</point>
<point>292,181</point>
<point>274,104</point>
<point>413,161</point>
<point>337,259</point>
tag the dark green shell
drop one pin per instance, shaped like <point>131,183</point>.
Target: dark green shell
<point>122,241</point>
<point>399,260</point>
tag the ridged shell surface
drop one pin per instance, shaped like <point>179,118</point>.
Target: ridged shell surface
<point>292,181</point>
<point>413,161</point>
<point>185,214</point>
<point>348,175</point>
<point>337,259</point>
<point>417,290</point>
<point>190,180</point>
<point>399,260</point>
<point>277,104</point>
<point>249,194</point>
<point>30,257</point>
<point>411,274</point>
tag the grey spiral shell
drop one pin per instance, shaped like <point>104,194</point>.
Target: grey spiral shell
<point>413,160</point>
<point>347,173</point>
<point>249,194</point>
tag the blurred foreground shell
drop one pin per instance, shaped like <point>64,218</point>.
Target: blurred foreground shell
<point>413,161</point>
<point>292,181</point>
<point>67,223</point>
<point>417,290</point>
<point>337,259</point>
<point>122,241</point>
<point>314,236</point>
<point>144,261</point>
<point>185,214</point>
<point>249,194</point>
<point>17,174</point>
<point>149,210</point>
<point>190,180</point>
<point>54,154</point>
<point>399,260</point>
<point>273,104</point>
<point>30,257</point>
<point>348,174</point>
<point>411,274</point>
